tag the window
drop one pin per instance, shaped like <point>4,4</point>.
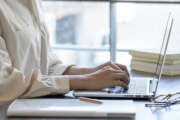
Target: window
<point>91,32</point>
<point>79,31</point>
<point>141,26</point>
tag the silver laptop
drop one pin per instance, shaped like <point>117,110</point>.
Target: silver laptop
<point>139,88</point>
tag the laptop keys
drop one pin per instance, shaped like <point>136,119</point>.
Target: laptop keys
<point>117,89</point>
<point>135,87</point>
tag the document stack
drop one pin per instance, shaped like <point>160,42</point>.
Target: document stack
<point>146,61</point>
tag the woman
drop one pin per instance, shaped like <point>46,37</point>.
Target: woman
<point>27,67</point>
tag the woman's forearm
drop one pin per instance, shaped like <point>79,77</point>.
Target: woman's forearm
<point>78,71</point>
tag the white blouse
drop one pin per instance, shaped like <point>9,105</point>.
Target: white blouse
<point>27,67</point>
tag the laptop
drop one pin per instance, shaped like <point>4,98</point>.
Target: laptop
<point>139,88</point>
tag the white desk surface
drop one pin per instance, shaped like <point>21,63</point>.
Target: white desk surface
<point>167,85</point>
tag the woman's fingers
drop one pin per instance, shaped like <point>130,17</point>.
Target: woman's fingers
<point>114,66</point>
<point>122,76</point>
<point>119,67</point>
<point>123,67</point>
<point>120,83</point>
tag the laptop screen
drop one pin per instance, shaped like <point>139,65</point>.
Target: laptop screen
<point>162,55</point>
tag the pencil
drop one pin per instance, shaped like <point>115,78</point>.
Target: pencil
<point>90,100</point>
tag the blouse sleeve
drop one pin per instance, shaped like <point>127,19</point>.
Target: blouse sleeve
<point>14,84</point>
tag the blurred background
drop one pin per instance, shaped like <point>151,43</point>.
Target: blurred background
<point>79,31</point>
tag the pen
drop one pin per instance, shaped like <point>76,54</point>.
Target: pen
<point>90,100</point>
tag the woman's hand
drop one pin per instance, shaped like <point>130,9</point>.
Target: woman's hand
<point>102,78</point>
<point>107,77</point>
<point>115,66</point>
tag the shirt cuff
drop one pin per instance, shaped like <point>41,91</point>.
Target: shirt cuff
<point>63,84</point>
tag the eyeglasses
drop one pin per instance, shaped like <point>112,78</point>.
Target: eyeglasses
<point>165,100</point>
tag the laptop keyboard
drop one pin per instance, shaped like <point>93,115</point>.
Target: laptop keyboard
<point>135,87</point>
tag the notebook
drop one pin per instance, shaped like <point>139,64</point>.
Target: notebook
<point>170,70</point>
<point>154,60</point>
<point>63,108</point>
<point>154,54</point>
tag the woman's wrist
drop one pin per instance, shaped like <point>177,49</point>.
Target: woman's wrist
<point>78,82</point>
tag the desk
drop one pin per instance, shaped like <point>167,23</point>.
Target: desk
<point>167,85</point>
<point>3,109</point>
